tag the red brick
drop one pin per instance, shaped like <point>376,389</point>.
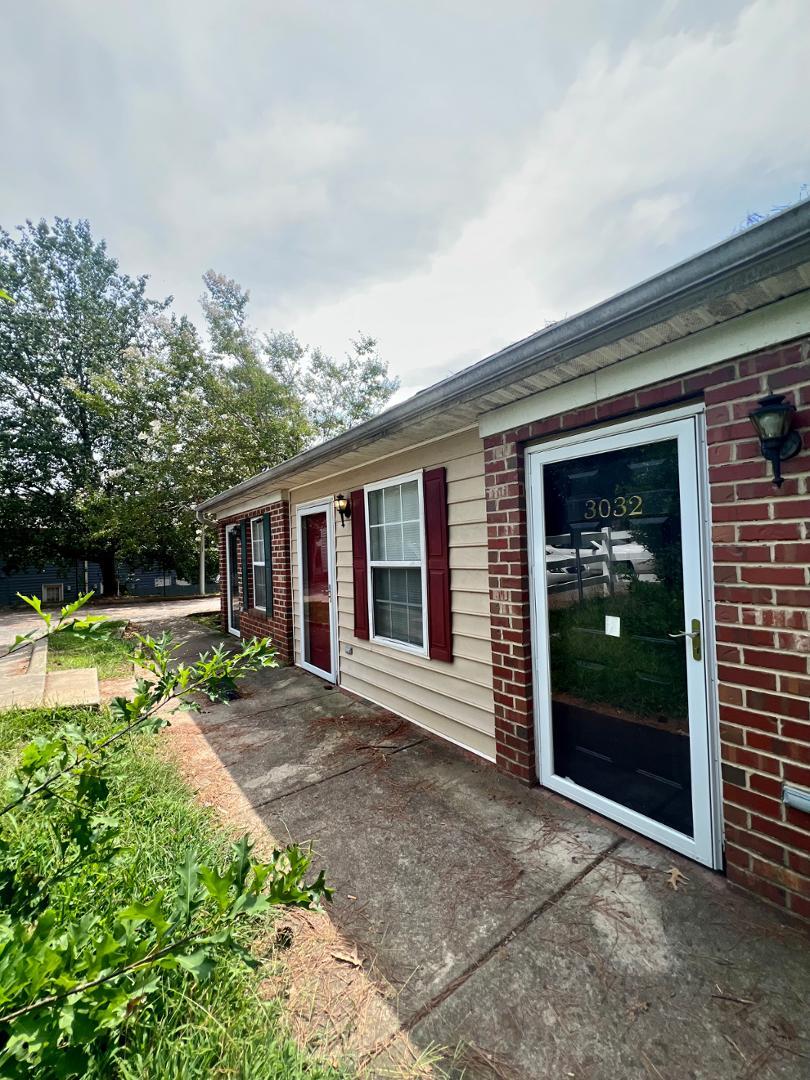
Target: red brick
<point>782,706</point>
<point>776,530</point>
<point>768,742</point>
<point>793,730</point>
<point>748,719</point>
<point>773,575</point>
<point>741,676</point>
<point>792,508</point>
<point>735,553</point>
<point>744,838</point>
<point>751,800</point>
<point>795,838</point>
<point>782,661</point>
<point>756,884</point>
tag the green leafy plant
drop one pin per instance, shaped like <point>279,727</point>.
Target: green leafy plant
<point>70,985</point>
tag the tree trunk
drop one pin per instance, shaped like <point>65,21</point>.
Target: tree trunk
<point>106,562</point>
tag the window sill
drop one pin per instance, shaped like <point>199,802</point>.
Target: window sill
<point>400,646</point>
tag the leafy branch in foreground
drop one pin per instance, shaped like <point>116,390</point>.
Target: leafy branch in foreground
<point>83,628</point>
<point>70,986</point>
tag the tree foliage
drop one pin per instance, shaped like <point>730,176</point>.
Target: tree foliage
<point>75,317</point>
<point>117,418</point>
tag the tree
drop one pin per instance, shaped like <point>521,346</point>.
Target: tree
<point>116,419</point>
<point>342,393</point>
<point>334,394</point>
<point>75,317</point>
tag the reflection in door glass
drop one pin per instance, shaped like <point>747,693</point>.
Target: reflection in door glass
<point>315,583</point>
<point>234,579</point>
<point>614,586</point>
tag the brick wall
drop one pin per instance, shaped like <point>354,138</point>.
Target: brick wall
<point>253,622</point>
<point>761,546</point>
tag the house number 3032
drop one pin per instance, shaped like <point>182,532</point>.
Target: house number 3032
<point>620,506</point>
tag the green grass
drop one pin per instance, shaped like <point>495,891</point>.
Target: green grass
<point>210,620</point>
<point>220,1028</point>
<point>110,654</point>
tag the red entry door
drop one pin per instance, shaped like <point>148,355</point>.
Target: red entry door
<point>316,602</point>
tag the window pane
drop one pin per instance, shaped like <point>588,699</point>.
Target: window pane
<point>259,592</point>
<point>397,594</point>
<point>399,622</point>
<point>412,541</point>
<point>375,513</point>
<point>398,586</point>
<point>393,511</point>
<point>257,534</point>
<point>410,500</point>
<point>377,535</point>
<point>393,543</point>
<point>382,619</point>
<point>415,625</point>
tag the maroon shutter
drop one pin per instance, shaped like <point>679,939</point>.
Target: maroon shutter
<point>438,565</point>
<point>359,564</point>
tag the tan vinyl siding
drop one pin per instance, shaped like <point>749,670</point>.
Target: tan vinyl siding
<point>453,700</point>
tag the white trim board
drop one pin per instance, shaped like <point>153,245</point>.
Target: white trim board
<point>761,329</point>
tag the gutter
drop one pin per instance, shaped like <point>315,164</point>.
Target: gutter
<point>775,245</point>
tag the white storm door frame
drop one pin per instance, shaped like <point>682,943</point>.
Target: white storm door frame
<point>706,845</point>
<point>318,507</point>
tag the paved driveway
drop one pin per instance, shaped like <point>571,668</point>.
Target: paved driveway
<point>542,939</point>
<point>21,622</point>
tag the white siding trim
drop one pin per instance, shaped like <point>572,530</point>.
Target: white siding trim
<point>780,321</point>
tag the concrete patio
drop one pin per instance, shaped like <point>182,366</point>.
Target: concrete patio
<point>539,940</point>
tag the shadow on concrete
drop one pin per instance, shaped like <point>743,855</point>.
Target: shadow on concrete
<point>539,939</point>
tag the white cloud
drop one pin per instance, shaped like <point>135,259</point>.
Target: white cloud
<point>625,176</point>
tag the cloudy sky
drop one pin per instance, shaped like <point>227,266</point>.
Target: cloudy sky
<point>448,175</point>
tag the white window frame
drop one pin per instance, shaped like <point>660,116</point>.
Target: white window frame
<point>53,585</point>
<point>254,563</point>
<point>371,564</point>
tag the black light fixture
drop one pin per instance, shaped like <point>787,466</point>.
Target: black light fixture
<point>343,508</point>
<point>779,441</point>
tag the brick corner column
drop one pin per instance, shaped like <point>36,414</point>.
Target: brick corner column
<point>282,620</point>
<point>509,606</point>
<point>223,577</point>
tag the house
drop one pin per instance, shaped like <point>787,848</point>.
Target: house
<point>61,583</point>
<point>573,560</point>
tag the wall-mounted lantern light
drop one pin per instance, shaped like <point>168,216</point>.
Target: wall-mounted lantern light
<point>343,508</point>
<point>779,441</point>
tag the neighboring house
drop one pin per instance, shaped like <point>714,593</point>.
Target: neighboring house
<point>571,560</point>
<point>60,583</point>
<point>53,584</point>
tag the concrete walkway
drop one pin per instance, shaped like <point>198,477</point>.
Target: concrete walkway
<point>536,939</point>
<point>21,621</point>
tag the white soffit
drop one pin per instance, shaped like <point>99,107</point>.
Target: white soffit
<point>758,329</point>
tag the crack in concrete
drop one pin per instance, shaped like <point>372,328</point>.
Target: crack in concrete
<point>331,776</point>
<point>270,708</point>
<point>451,987</point>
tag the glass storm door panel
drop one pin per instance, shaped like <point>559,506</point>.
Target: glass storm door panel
<point>626,708</point>
<point>234,580</point>
<point>317,633</point>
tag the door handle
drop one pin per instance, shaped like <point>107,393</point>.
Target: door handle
<point>694,635</point>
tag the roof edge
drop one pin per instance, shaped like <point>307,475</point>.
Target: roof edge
<point>774,245</point>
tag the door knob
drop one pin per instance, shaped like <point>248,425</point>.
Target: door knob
<point>694,634</point>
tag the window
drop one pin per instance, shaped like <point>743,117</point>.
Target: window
<point>54,593</point>
<point>395,560</point>
<point>257,548</point>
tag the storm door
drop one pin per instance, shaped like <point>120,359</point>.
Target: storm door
<point>618,606</point>
<point>316,589</point>
<point>233,578</point>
